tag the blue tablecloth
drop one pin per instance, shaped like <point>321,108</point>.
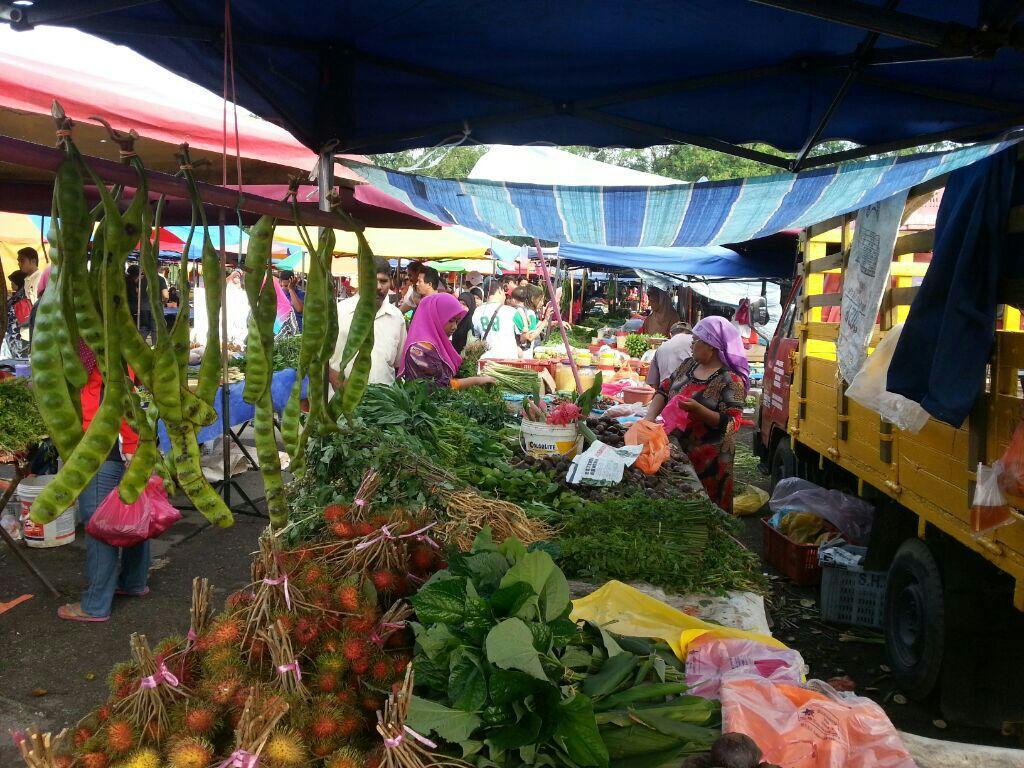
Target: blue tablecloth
<point>240,411</point>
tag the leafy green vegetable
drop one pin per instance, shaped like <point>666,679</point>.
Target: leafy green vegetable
<point>637,344</point>
<point>21,426</point>
<point>495,648</point>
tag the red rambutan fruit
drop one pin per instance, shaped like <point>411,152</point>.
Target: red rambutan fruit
<point>364,529</point>
<point>346,697</point>
<point>380,670</point>
<point>326,682</point>
<point>63,761</point>
<point>350,723</point>
<point>421,559</point>
<point>102,713</point>
<point>225,631</point>
<point>324,722</point>
<point>370,703</point>
<point>361,665</point>
<point>355,648</point>
<point>334,513</point>
<point>346,757</point>
<point>322,748</point>
<point>222,691</point>
<point>306,631</point>
<point>120,736</point>
<point>239,599</point>
<point>384,581</point>
<point>363,622</point>
<point>94,760</point>
<point>199,718</point>
<point>349,598</point>
<point>80,736</point>
<point>343,529</point>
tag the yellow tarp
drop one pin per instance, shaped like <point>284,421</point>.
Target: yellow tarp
<point>624,610</point>
<point>444,243</point>
<point>16,232</point>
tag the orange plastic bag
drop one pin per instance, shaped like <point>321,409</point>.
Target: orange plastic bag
<point>655,442</point>
<point>812,726</point>
<point>1011,478</point>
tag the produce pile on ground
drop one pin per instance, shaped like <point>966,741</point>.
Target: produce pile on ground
<point>21,426</point>
<point>308,666</point>
<point>451,451</point>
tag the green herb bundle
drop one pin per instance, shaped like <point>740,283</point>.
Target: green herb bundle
<point>677,544</point>
<point>511,379</point>
<point>505,676</point>
<point>20,423</point>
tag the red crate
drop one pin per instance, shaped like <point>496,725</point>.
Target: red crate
<point>798,562</point>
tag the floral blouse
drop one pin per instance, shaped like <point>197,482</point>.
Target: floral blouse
<point>422,361</point>
<point>722,391</point>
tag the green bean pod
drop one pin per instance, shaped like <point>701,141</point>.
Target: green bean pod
<point>195,410</point>
<point>270,461</point>
<point>75,229</point>
<point>359,344</point>
<point>56,405</point>
<point>186,461</point>
<point>209,368</point>
<point>166,384</point>
<point>147,454</point>
<point>290,417</point>
<point>100,437</point>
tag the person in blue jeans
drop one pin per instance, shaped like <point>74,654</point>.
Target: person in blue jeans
<point>109,570</point>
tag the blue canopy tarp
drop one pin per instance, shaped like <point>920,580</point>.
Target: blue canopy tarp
<point>675,215</point>
<point>392,74</point>
<point>709,261</point>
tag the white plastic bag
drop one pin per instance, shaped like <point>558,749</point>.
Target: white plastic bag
<point>708,658</point>
<point>868,388</point>
<point>849,514</point>
<point>989,509</point>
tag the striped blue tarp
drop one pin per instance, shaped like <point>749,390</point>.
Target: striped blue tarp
<point>708,213</point>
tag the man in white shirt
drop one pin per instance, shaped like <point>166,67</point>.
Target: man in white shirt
<point>670,355</point>
<point>388,333</point>
<point>28,262</point>
<point>495,323</point>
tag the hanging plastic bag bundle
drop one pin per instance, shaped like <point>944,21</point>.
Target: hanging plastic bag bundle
<point>989,509</point>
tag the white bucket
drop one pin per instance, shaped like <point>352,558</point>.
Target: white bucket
<point>54,534</point>
<point>540,439</point>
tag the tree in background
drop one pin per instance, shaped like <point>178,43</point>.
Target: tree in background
<point>675,161</point>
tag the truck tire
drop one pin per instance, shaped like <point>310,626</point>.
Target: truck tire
<point>914,619</point>
<point>783,462</point>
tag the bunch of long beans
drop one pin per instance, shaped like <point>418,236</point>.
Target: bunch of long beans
<point>512,379</point>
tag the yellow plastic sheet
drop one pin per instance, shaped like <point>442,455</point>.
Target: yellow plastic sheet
<point>749,501</point>
<point>624,610</point>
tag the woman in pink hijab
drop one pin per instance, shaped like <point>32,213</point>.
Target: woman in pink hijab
<point>708,391</point>
<point>428,352</point>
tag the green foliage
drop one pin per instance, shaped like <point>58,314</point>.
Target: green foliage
<point>682,545</point>
<point>495,650</point>
<point>21,426</point>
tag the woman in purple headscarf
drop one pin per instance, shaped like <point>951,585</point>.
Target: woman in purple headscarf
<point>428,352</point>
<point>709,389</point>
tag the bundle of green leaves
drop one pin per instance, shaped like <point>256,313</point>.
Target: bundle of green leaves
<point>286,354</point>
<point>682,545</point>
<point>506,677</point>
<point>21,426</point>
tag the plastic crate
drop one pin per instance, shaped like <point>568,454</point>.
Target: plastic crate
<point>798,562</point>
<point>851,595</point>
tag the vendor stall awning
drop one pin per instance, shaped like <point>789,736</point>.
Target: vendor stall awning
<point>708,261</point>
<point>393,74</point>
<point>445,243</point>
<point>700,214</point>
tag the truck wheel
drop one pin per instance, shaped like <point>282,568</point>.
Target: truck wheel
<point>783,462</point>
<point>914,619</point>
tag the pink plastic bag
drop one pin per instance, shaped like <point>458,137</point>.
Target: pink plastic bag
<point>125,525</point>
<point>162,514</point>
<point>674,416</point>
<point>810,726</point>
<point>709,657</point>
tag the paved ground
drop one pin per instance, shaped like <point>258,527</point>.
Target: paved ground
<point>833,650</point>
<point>51,671</point>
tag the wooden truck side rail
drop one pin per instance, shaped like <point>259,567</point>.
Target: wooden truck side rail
<point>932,473</point>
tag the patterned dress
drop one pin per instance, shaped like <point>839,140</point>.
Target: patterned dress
<point>422,361</point>
<point>710,449</point>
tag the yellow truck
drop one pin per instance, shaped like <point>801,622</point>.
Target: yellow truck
<point>954,607</point>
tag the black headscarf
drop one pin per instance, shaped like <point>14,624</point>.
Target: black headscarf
<point>461,335</point>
